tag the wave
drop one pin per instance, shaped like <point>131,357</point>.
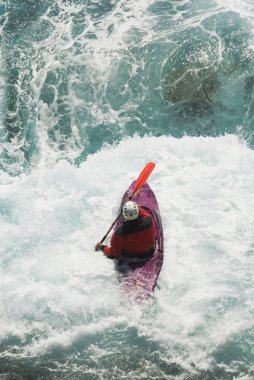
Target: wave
<point>61,307</point>
<point>80,75</point>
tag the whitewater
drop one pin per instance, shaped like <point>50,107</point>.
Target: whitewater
<point>90,92</point>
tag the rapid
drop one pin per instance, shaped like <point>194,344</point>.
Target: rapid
<point>90,92</point>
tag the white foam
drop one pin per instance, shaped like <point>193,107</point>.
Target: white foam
<point>243,7</point>
<point>53,281</point>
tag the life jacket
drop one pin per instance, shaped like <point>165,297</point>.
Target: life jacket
<point>134,238</point>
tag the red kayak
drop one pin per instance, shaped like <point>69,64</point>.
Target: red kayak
<point>138,277</point>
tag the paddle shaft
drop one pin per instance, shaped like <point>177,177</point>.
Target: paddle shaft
<point>112,225</point>
<point>139,183</point>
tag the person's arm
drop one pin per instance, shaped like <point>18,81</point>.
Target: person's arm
<point>112,251</point>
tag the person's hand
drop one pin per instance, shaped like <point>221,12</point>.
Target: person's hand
<point>99,246</point>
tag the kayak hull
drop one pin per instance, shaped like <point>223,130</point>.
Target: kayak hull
<point>138,277</point>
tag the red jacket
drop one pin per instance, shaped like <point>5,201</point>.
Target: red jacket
<point>133,238</point>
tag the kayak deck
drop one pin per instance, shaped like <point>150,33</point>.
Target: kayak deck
<point>138,277</point>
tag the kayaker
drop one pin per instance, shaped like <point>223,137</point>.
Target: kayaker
<point>135,237</point>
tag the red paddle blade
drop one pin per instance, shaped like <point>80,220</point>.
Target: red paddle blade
<point>139,183</point>
<point>143,176</point>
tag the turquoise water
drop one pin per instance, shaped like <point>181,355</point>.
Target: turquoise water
<point>90,92</point>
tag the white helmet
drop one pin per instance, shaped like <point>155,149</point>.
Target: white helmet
<point>130,210</point>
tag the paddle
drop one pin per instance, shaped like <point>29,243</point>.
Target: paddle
<point>142,178</point>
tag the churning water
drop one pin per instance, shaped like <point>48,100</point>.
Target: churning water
<point>90,91</point>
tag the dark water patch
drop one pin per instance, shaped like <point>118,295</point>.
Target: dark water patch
<point>21,16</point>
<point>107,355</point>
<point>207,76</point>
<point>247,129</point>
<point>97,137</point>
<point>122,354</point>
<point>235,356</point>
<point>198,68</point>
<point>187,79</point>
<point>56,92</point>
<point>195,89</point>
<point>19,117</point>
